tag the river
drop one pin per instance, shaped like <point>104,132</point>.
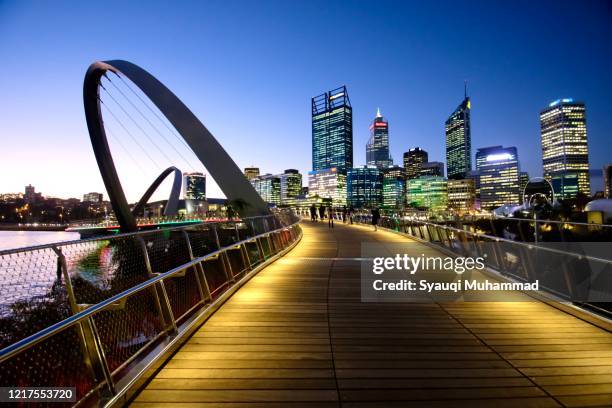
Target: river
<point>19,239</point>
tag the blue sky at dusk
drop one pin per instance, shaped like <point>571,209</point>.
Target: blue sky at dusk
<point>248,70</point>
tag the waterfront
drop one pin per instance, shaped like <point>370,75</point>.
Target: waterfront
<point>19,239</point>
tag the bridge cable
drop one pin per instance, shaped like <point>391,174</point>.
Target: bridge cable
<point>136,124</point>
<point>129,133</point>
<point>125,150</point>
<point>189,164</point>
<point>170,129</point>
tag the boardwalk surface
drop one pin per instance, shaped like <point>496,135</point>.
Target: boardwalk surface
<point>297,335</point>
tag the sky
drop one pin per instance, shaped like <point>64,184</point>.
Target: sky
<point>248,69</point>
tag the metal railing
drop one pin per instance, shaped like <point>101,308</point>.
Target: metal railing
<point>88,314</point>
<point>577,272</point>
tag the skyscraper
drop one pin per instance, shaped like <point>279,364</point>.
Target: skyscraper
<point>290,186</point>
<point>459,141</point>
<point>607,176</point>
<point>565,152</point>
<point>377,148</point>
<point>268,186</point>
<point>194,186</point>
<point>332,131</point>
<point>364,187</point>
<point>498,170</point>
<point>413,159</point>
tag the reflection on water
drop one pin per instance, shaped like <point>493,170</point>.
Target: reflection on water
<point>19,239</point>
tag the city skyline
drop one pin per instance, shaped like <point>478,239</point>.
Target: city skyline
<point>417,108</point>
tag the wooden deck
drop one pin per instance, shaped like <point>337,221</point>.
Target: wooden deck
<point>297,335</point>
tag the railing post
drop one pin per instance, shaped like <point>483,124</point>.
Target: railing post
<point>199,273</point>
<point>243,251</point>
<point>159,291</point>
<point>225,263</point>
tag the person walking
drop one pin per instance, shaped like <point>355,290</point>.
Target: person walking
<point>322,212</point>
<point>375,218</point>
<point>330,216</point>
<point>351,210</point>
<point>313,213</point>
<point>344,214</point>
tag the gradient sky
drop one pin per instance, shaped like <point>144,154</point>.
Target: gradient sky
<point>248,70</point>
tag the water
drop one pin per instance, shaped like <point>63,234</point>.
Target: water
<point>19,239</point>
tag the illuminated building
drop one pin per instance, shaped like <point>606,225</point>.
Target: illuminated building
<point>427,192</point>
<point>93,198</point>
<point>194,186</point>
<point>459,141</point>
<point>565,153</point>
<point>268,186</point>
<point>607,176</point>
<point>328,183</point>
<point>523,180</point>
<point>413,159</point>
<point>290,186</point>
<point>394,187</point>
<point>332,131</point>
<point>377,148</point>
<point>461,195</point>
<point>498,170</point>
<point>364,187</point>
<point>432,169</point>
<point>251,172</point>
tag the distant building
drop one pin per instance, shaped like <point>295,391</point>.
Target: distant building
<point>459,141</point>
<point>565,152</point>
<point>394,187</point>
<point>427,192</point>
<point>290,187</point>
<point>523,180</point>
<point>93,198</point>
<point>268,186</point>
<point>328,184</point>
<point>413,160</point>
<point>498,169</point>
<point>461,195</point>
<point>377,148</point>
<point>364,187</point>
<point>607,176</point>
<point>332,131</point>
<point>251,172</point>
<point>432,169</point>
<point>31,195</point>
<point>194,186</point>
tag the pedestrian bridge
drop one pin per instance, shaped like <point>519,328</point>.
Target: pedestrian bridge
<point>298,335</point>
<point>266,311</point>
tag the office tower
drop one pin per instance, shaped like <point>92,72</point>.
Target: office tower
<point>31,195</point>
<point>268,186</point>
<point>459,141</point>
<point>194,186</point>
<point>565,153</point>
<point>498,170</point>
<point>290,186</point>
<point>413,159</point>
<point>364,187</point>
<point>377,148</point>
<point>607,176</point>
<point>93,198</point>
<point>251,172</point>
<point>432,169</point>
<point>328,184</point>
<point>523,180</point>
<point>394,187</point>
<point>332,131</point>
<point>461,195</point>
<point>430,192</point>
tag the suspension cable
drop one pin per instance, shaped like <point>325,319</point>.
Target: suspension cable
<point>125,150</point>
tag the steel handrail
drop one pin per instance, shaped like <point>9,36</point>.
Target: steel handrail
<point>58,327</point>
<point>123,235</point>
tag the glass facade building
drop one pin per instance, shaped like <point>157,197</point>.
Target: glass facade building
<point>498,169</point>
<point>459,141</point>
<point>194,186</point>
<point>565,152</point>
<point>328,183</point>
<point>332,131</point>
<point>394,187</point>
<point>429,192</point>
<point>290,187</point>
<point>461,195</point>
<point>432,169</point>
<point>268,186</point>
<point>377,148</point>
<point>364,187</point>
<point>413,160</point>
